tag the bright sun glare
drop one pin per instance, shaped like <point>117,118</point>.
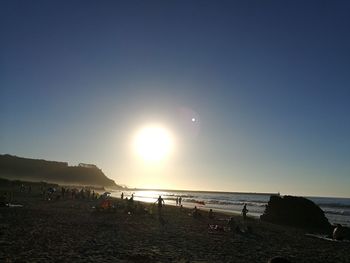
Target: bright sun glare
<point>153,143</point>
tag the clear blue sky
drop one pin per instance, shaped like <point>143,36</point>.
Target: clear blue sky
<point>269,82</point>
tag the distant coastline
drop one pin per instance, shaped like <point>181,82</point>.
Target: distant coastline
<point>20,168</point>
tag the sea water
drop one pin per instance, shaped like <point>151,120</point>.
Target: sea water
<point>337,210</point>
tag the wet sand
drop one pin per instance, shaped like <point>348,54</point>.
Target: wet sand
<point>71,231</point>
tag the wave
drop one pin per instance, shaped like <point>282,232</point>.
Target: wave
<point>225,202</point>
<point>252,201</point>
<point>342,212</point>
<point>337,205</point>
<point>180,195</point>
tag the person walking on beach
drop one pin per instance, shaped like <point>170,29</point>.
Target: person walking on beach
<point>177,200</point>
<point>211,214</point>
<point>160,202</point>
<point>122,196</point>
<point>180,200</point>
<point>245,211</point>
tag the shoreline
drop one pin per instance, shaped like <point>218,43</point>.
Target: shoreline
<point>234,203</point>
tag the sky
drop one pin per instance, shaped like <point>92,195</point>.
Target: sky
<point>267,81</point>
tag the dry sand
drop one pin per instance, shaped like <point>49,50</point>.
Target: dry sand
<point>71,231</point>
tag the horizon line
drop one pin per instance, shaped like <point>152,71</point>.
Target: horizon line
<point>229,192</point>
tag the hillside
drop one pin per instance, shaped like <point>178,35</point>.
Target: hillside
<point>13,167</point>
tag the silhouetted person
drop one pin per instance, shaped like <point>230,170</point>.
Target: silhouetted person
<point>130,204</point>
<point>180,200</point>
<point>63,192</point>
<point>278,260</point>
<point>160,202</point>
<point>82,196</point>
<point>245,211</point>
<point>122,196</point>
<point>177,200</point>
<point>3,200</point>
<point>211,214</point>
<point>195,212</point>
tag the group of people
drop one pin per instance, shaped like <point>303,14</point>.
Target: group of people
<point>69,193</point>
<point>179,200</point>
<point>159,202</point>
<point>195,213</point>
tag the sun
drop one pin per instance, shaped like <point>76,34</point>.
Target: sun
<point>153,143</point>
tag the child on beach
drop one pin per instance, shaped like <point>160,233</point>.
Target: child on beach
<point>245,211</point>
<point>195,212</point>
<point>160,202</point>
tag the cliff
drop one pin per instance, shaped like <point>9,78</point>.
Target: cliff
<point>13,167</point>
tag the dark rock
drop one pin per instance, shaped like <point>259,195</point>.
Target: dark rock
<point>341,232</point>
<point>296,211</point>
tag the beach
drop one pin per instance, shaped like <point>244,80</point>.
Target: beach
<point>71,230</point>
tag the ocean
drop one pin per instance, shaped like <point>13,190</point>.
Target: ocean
<point>337,210</point>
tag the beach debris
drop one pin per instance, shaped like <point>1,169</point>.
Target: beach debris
<point>14,205</point>
<point>105,195</point>
<point>218,229</point>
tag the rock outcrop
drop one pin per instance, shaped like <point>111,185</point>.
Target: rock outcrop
<point>296,211</point>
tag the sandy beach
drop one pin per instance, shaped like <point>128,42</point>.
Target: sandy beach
<point>69,230</point>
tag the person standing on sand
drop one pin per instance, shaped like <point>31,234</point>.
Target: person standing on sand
<point>211,214</point>
<point>160,202</point>
<point>177,200</point>
<point>245,211</point>
<point>180,200</point>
